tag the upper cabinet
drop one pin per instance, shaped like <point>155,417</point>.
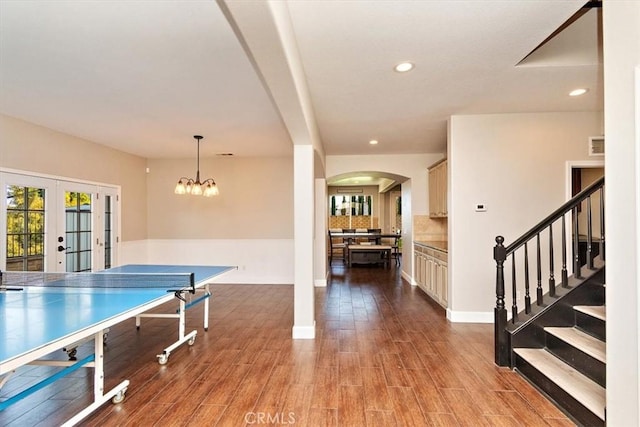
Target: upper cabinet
<point>438,190</point>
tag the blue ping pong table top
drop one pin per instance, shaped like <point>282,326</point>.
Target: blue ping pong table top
<point>37,316</point>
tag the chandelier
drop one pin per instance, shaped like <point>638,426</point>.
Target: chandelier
<point>205,188</point>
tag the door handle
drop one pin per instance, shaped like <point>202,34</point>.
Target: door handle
<point>62,248</point>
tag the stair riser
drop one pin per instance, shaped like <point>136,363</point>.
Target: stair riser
<point>591,325</point>
<point>564,400</point>
<point>582,362</point>
<point>561,314</point>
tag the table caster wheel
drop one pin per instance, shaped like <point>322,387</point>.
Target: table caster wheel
<point>118,398</point>
<point>72,354</point>
<point>163,359</point>
<point>191,341</point>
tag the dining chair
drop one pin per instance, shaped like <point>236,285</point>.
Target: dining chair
<point>395,249</point>
<point>394,242</point>
<point>377,239</point>
<point>337,244</point>
<point>361,239</point>
<point>349,240</point>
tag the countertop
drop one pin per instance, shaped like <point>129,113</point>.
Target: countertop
<point>440,245</point>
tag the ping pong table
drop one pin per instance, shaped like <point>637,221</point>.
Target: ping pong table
<point>46,312</point>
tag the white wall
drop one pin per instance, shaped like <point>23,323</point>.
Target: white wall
<point>621,26</point>
<point>249,225</point>
<point>515,164</point>
<point>259,261</point>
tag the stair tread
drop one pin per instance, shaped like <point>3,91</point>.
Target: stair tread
<point>597,311</point>
<point>582,341</point>
<point>584,390</point>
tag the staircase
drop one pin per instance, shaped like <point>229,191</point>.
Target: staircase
<point>569,361</point>
<point>556,339</point>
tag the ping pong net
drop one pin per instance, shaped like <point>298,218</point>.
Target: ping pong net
<point>171,282</point>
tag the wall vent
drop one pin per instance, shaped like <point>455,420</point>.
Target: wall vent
<point>596,146</point>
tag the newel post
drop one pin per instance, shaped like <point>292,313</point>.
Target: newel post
<point>500,313</point>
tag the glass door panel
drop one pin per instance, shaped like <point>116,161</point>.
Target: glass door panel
<point>109,214</point>
<point>25,228</point>
<point>108,232</point>
<point>78,231</point>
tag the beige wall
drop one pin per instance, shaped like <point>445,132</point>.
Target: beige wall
<point>515,164</point>
<point>249,225</point>
<point>255,200</point>
<point>28,147</point>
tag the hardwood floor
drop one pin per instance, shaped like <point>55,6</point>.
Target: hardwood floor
<point>384,356</point>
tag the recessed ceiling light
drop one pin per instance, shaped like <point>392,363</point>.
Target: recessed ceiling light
<point>373,142</point>
<point>403,67</point>
<point>578,92</point>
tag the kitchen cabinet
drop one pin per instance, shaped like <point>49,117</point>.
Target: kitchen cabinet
<point>431,272</point>
<point>438,190</point>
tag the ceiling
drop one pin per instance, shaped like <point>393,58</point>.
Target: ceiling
<point>144,76</point>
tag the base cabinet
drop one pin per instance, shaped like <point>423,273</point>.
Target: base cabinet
<point>431,272</point>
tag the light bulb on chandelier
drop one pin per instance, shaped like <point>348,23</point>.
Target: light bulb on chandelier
<point>207,188</point>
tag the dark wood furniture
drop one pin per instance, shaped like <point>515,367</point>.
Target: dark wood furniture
<point>369,254</point>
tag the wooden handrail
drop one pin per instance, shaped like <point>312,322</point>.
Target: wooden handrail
<point>501,254</point>
<point>570,204</point>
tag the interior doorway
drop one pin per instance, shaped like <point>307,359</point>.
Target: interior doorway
<point>583,174</point>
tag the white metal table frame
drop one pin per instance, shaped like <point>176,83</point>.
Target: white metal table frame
<point>96,360</point>
<point>180,314</point>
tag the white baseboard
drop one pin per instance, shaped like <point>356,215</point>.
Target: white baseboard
<point>259,261</point>
<point>469,316</point>
<point>320,283</point>
<point>132,252</point>
<point>304,332</point>
<point>408,278</point>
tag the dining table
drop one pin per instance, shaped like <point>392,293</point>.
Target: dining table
<point>352,236</point>
<point>373,238</point>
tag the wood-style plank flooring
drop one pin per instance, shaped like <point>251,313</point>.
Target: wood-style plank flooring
<point>384,356</point>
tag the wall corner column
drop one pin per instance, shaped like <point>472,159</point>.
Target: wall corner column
<point>304,214</point>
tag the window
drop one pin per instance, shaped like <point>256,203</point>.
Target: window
<point>351,211</point>
<point>350,205</point>
<point>25,228</point>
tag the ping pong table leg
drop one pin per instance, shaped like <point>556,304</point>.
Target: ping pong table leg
<point>98,367</point>
<point>206,307</point>
<point>189,338</point>
<point>116,394</point>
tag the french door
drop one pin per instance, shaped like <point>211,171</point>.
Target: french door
<point>57,225</point>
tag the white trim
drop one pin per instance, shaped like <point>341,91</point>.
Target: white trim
<point>570,164</point>
<point>320,283</point>
<point>304,332</point>
<point>59,178</point>
<point>637,222</point>
<point>469,316</point>
<point>568,188</point>
<point>408,278</point>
